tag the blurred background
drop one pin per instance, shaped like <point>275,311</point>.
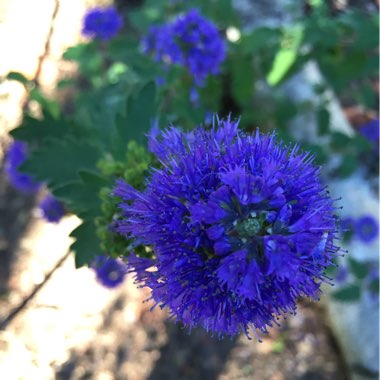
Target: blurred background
<point>308,69</point>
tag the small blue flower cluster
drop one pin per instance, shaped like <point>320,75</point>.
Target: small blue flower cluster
<point>52,209</point>
<point>240,226</point>
<point>109,272</point>
<point>370,130</point>
<point>191,41</point>
<point>15,157</point>
<point>365,228</point>
<point>102,23</point>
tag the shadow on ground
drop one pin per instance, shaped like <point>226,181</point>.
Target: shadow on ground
<point>15,215</point>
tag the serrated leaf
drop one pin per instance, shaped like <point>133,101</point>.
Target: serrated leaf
<point>287,55</point>
<point>34,131</point>
<point>139,114</point>
<point>87,244</point>
<point>93,179</point>
<point>58,162</point>
<point>13,75</point>
<point>349,293</point>
<point>79,198</point>
<point>358,269</point>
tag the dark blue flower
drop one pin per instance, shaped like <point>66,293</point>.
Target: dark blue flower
<point>366,228</point>
<point>52,209</point>
<point>191,41</point>
<point>102,23</point>
<point>239,224</point>
<point>371,131</point>
<point>109,272</point>
<point>15,156</point>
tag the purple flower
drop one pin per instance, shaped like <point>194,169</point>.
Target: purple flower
<point>239,224</point>
<point>371,131</point>
<point>109,272</point>
<point>342,274</point>
<point>367,228</point>
<point>102,23</point>
<point>191,41</point>
<point>52,209</point>
<point>15,156</point>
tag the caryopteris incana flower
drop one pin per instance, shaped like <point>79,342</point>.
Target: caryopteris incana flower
<point>16,155</point>
<point>239,226</point>
<point>102,23</point>
<point>191,41</point>
<point>109,272</point>
<point>52,209</point>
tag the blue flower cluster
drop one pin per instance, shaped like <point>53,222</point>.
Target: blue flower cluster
<point>365,228</point>
<point>109,272</point>
<point>52,209</point>
<point>191,41</point>
<point>371,131</point>
<point>239,224</point>
<point>16,155</point>
<point>102,23</point>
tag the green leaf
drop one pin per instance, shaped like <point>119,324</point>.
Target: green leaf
<point>349,293</point>
<point>242,79</point>
<point>79,198</point>
<point>339,140</point>
<point>259,39</point>
<point>87,244</point>
<point>348,166</point>
<point>287,55</point>
<point>34,131</point>
<point>359,269</point>
<point>140,112</point>
<point>362,144</point>
<point>93,179</point>
<point>323,117</point>
<point>13,75</point>
<point>88,55</point>
<point>58,162</point>
<point>143,18</point>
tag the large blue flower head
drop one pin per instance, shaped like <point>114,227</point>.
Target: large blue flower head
<point>239,224</point>
<point>191,41</point>
<point>16,154</point>
<point>102,23</point>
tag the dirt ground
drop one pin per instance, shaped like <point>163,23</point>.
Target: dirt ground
<point>74,328</point>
